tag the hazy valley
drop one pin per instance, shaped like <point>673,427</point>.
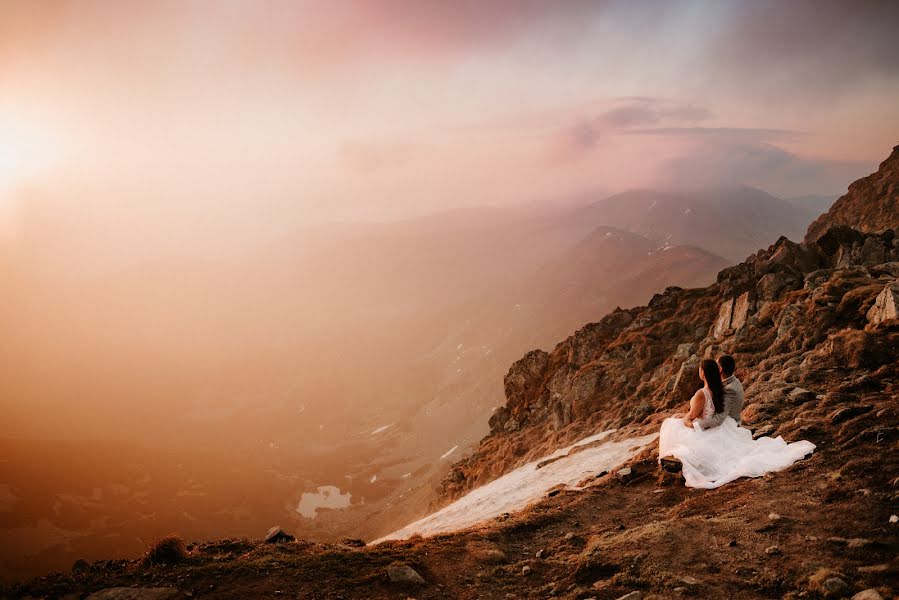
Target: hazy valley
<point>212,398</point>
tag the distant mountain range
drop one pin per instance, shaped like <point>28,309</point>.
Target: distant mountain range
<point>730,222</point>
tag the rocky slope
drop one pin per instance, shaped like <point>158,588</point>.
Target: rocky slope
<point>871,203</point>
<point>815,331</point>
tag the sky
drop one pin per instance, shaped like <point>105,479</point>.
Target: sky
<point>210,126</point>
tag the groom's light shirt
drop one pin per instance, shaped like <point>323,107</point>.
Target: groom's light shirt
<point>733,404</point>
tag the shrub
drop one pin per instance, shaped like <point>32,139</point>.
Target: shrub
<point>168,550</point>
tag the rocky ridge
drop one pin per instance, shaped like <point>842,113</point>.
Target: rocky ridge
<point>785,313</point>
<point>871,203</point>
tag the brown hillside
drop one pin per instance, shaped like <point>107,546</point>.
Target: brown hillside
<point>870,205</point>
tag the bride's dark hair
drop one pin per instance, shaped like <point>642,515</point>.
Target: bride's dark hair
<point>713,380</point>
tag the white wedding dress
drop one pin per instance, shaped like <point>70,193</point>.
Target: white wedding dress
<point>716,456</point>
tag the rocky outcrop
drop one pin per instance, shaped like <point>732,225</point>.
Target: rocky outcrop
<point>870,205</point>
<point>886,305</point>
<point>786,313</point>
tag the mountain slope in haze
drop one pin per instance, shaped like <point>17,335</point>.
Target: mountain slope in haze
<point>815,333</point>
<point>813,205</point>
<point>731,222</point>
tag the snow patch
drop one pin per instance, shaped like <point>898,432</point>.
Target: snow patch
<point>450,451</point>
<point>381,429</point>
<point>517,489</point>
<point>327,496</point>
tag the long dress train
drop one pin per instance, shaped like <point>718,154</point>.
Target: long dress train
<point>716,456</point>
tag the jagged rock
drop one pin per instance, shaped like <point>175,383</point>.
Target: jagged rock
<point>353,542</point>
<point>498,419</point>
<point>276,535</point>
<point>524,376</point>
<point>772,550</point>
<point>632,596</point>
<point>801,395</point>
<point>128,593</point>
<point>870,594</point>
<point>886,305</point>
<point>722,323</point>
<point>402,573</point>
<point>771,285</point>
<point>873,251</point>
<point>816,279</point>
<point>687,378</point>
<point>526,570</point>
<point>741,311</point>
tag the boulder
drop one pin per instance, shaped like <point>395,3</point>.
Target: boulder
<point>741,310</point>
<point>402,573</point>
<point>722,323</point>
<point>886,305</point>
<point>485,551</point>
<point>128,593</point>
<point>835,587</point>
<point>276,535</point>
<point>771,285</point>
<point>870,594</point>
<point>801,395</point>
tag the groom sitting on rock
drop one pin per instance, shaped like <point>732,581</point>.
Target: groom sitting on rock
<point>733,395</point>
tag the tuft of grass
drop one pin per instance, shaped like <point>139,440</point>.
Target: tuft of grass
<point>168,550</point>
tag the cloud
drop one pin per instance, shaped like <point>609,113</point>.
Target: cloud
<point>804,47</point>
<point>570,143</point>
<point>734,156</point>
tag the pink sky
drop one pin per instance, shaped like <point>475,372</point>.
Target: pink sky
<point>198,122</point>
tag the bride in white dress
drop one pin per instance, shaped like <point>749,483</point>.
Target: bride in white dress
<point>716,456</point>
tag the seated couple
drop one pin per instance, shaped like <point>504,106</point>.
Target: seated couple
<point>709,443</point>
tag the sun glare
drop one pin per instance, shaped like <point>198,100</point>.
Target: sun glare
<point>25,153</point>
